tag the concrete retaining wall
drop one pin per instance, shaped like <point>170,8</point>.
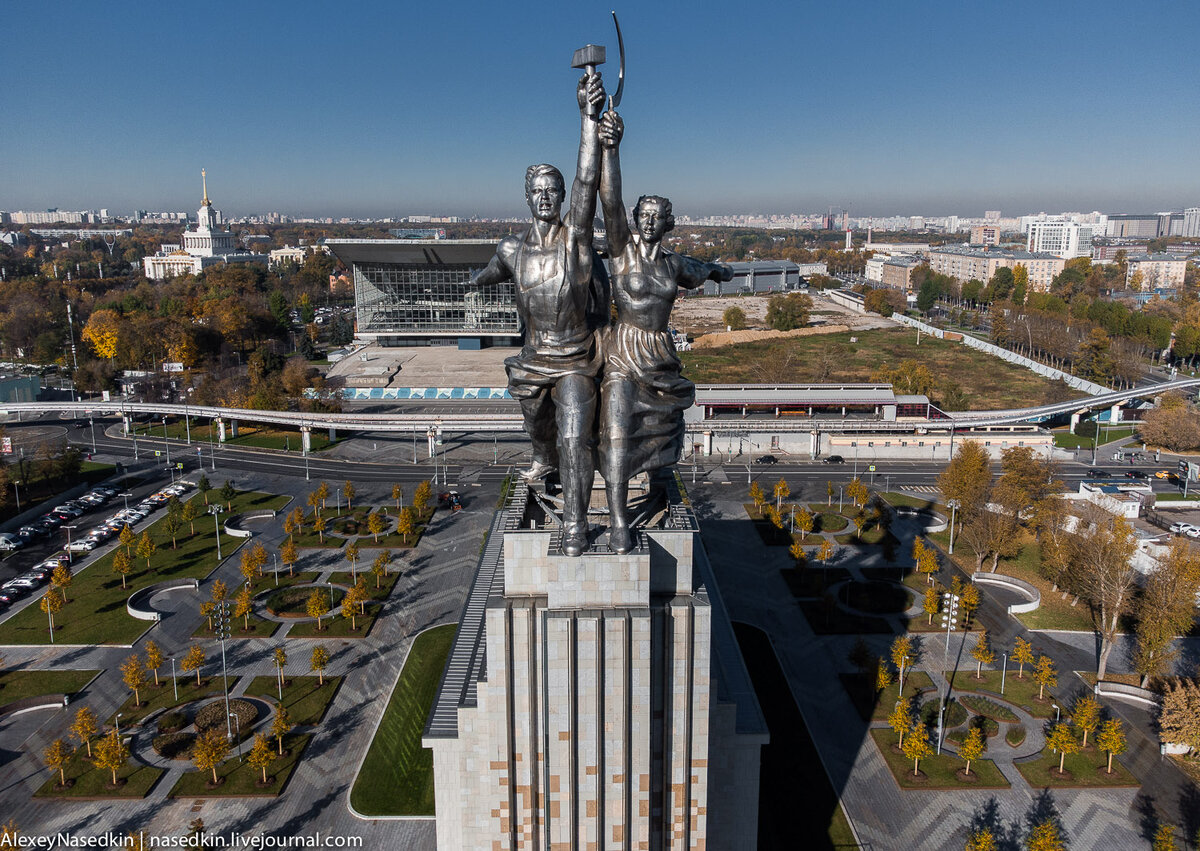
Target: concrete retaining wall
<point>31,704</point>
<point>134,605</point>
<point>1121,691</point>
<point>232,528</point>
<point>1013,584</point>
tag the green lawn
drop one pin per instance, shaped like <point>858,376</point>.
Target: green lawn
<point>940,772</point>
<point>1021,691</point>
<point>381,592</point>
<point>1065,440</point>
<point>396,777</point>
<point>18,685</point>
<point>263,437</point>
<point>1085,768</point>
<point>96,611</point>
<point>990,383</point>
<point>1055,612</point>
<point>304,697</point>
<point>334,625</point>
<point>87,781</point>
<point>162,696</point>
<point>240,779</point>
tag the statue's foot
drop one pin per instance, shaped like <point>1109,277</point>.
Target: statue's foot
<point>574,543</point>
<point>537,472</point>
<point>620,539</point>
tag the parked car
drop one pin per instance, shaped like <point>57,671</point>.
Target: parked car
<point>31,533</point>
<point>69,510</point>
<point>766,459</point>
<point>1180,528</point>
<point>833,459</point>
<point>82,545</point>
<point>10,542</point>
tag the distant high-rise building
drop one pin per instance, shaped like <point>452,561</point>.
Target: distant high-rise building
<point>1191,222</point>
<point>1145,225</point>
<point>991,216</point>
<point>1062,239</point>
<point>916,223</point>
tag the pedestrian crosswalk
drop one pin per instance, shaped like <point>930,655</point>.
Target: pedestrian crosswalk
<point>917,489</point>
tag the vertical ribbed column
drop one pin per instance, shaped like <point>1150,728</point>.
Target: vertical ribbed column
<point>638,682</point>
<point>588,728</point>
<point>523,728</point>
<point>678,735</point>
<point>616,733</point>
<point>560,708</point>
<point>700,712</point>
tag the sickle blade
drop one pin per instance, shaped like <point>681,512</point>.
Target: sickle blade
<point>616,99</point>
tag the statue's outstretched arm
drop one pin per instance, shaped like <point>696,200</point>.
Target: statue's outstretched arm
<point>590,94</point>
<point>497,270</point>
<point>691,273</point>
<point>612,128</point>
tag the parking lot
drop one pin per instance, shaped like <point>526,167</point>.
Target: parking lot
<point>72,531</point>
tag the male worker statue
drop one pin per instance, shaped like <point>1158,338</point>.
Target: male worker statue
<point>554,376</point>
<point>643,395</point>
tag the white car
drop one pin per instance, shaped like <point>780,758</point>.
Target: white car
<point>84,545</point>
<point>1192,532</point>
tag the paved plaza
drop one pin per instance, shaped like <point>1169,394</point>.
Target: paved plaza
<point>884,816</point>
<point>431,590</point>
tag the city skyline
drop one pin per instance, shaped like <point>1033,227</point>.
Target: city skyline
<point>933,110</point>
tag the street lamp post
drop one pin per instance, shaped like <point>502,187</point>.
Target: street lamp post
<point>1003,672</point>
<point>222,636</point>
<point>953,509</point>
<point>92,426</point>
<point>1057,712</point>
<point>237,743</point>
<point>275,561</point>
<point>166,443</point>
<point>215,510</point>
<point>117,723</point>
<point>174,682</point>
<point>70,560</point>
<point>17,493</point>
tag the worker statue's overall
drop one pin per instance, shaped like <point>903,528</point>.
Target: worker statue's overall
<point>642,395</point>
<point>562,300</point>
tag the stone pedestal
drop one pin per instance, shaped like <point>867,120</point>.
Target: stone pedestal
<point>580,707</point>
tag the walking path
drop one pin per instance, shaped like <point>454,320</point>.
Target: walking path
<point>883,815</point>
<point>430,592</point>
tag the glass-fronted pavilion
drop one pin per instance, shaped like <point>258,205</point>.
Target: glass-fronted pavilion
<point>416,292</point>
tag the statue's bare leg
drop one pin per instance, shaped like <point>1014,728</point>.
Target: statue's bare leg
<point>616,410</point>
<point>538,412</point>
<point>575,401</point>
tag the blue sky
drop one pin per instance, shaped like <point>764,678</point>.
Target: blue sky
<point>372,108</point>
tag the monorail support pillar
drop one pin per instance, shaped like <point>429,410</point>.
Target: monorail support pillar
<point>708,441</point>
<point>220,430</point>
<point>233,429</point>
<point>1074,422</point>
<point>305,439</point>
<point>1115,416</point>
<point>814,447</point>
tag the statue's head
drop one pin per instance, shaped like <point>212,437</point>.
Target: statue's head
<point>653,217</point>
<point>545,190</point>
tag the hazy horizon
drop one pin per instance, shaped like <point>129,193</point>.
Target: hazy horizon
<point>381,110</point>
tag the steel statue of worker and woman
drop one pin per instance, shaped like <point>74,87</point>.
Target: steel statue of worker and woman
<point>596,392</point>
